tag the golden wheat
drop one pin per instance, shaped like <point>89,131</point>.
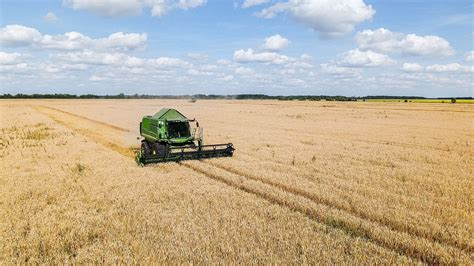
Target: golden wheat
<point>310,182</point>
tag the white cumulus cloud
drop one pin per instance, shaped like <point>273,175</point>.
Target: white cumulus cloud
<point>299,64</point>
<point>453,67</point>
<point>251,3</point>
<point>470,56</point>
<point>57,68</point>
<point>77,41</point>
<point>17,35</point>
<point>120,8</point>
<point>128,41</point>
<point>358,58</point>
<point>107,8</point>
<point>338,71</point>
<point>98,58</point>
<point>168,62</point>
<point>384,40</point>
<point>68,41</point>
<point>245,71</point>
<point>412,67</point>
<point>275,43</point>
<point>227,78</point>
<point>50,17</point>
<point>188,4</point>
<point>16,68</point>
<point>249,55</point>
<point>96,78</point>
<point>329,17</point>
<point>10,58</point>
<point>200,57</point>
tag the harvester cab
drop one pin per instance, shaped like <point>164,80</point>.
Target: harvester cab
<point>168,136</point>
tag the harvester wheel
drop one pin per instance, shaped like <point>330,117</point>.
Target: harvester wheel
<point>145,148</point>
<point>160,149</point>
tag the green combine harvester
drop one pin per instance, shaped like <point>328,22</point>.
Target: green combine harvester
<point>168,136</point>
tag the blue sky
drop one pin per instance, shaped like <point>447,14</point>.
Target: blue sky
<point>332,47</point>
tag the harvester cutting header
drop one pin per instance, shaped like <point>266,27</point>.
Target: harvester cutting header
<point>168,136</point>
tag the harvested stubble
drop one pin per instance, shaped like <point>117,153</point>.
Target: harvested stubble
<point>310,183</point>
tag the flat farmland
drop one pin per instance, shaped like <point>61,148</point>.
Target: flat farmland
<point>309,183</point>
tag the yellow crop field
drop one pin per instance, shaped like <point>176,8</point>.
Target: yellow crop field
<point>309,183</point>
<point>463,101</point>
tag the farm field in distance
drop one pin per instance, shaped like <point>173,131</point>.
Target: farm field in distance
<point>464,101</point>
<point>309,183</point>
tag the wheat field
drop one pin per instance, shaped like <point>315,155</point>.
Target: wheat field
<point>309,183</point>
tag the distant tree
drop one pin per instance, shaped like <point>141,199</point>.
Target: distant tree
<point>453,100</point>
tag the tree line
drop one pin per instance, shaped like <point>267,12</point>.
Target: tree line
<point>214,96</point>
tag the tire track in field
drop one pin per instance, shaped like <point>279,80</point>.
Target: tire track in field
<point>401,243</point>
<point>82,117</point>
<point>94,130</point>
<point>355,188</point>
<point>393,226</point>
<point>438,202</point>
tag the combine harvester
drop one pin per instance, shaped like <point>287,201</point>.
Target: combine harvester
<point>168,137</point>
